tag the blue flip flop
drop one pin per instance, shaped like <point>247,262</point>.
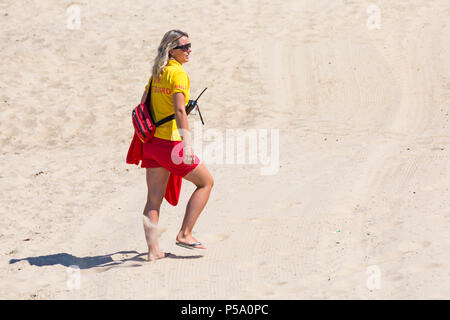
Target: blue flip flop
<point>188,245</point>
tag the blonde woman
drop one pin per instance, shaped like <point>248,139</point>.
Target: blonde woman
<point>169,85</point>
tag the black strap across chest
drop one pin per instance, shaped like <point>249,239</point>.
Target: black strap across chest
<point>147,104</point>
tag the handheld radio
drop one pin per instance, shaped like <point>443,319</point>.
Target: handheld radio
<point>193,103</point>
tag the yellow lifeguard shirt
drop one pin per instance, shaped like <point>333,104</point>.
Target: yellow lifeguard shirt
<point>173,79</point>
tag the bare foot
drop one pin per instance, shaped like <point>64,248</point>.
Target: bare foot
<point>153,256</point>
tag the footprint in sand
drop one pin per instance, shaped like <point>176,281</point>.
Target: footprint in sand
<point>212,238</point>
<point>250,265</point>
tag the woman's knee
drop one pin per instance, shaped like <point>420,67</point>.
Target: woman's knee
<point>153,204</point>
<point>211,181</point>
<point>201,177</point>
<point>207,181</point>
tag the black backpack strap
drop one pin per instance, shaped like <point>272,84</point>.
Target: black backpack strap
<point>147,103</point>
<point>166,119</point>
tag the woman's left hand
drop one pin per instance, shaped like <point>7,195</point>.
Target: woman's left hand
<point>188,155</point>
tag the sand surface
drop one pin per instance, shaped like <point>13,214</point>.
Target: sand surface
<point>357,206</point>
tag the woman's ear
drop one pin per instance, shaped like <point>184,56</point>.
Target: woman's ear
<point>170,53</point>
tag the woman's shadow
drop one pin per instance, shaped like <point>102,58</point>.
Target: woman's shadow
<point>69,260</point>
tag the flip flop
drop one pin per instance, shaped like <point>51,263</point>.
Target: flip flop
<point>188,245</point>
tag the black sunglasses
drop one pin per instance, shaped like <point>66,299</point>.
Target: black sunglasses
<point>184,47</point>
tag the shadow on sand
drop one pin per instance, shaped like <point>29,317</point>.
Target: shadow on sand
<point>68,260</point>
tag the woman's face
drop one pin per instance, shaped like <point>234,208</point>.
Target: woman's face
<point>181,54</point>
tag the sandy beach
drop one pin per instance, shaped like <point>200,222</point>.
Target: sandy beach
<point>326,131</point>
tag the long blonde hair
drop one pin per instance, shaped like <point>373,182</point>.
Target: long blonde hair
<point>168,42</point>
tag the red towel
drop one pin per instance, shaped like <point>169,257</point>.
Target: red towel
<point>173,189</point>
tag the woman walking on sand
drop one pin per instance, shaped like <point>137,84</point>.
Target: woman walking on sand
<point>170,85</point>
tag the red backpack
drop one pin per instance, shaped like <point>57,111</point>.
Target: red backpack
<point>143,121</point>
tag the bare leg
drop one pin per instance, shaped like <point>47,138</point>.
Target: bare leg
<point>201,177</point>
<point>156,184</point>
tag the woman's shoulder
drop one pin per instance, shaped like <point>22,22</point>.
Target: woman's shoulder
<point>174,70</point>
<point>175,74</point>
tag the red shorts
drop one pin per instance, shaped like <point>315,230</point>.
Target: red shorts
<point>167,154</point>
